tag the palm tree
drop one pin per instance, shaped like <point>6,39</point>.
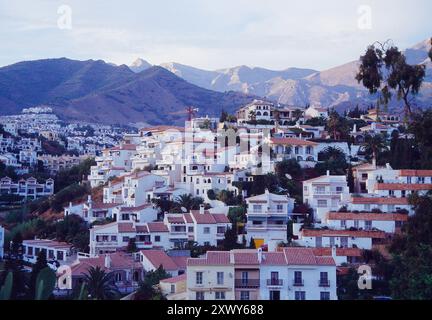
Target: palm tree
<point>252,115</point>
<point>374,144</point>
<point>297,114</point>
<point>188,202</point>
<point>100,284</point>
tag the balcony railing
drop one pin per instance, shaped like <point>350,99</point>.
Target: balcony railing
<point>274,282</point>
<point>298,282</point>
<point>247,283</point>
<point>323,283</point>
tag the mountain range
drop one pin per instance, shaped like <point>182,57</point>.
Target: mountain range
<point>335,87</point>
<point>100,92</point>
<point>97,91</point>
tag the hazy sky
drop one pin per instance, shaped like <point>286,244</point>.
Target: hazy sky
<point>209,34</point>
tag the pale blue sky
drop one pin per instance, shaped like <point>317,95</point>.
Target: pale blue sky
<point>209,34</point>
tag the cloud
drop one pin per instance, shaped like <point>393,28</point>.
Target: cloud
<point>274,33</point>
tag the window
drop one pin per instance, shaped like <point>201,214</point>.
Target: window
<point>190,229</point>
<point>244,277</point>
<point>173,288</point>
<point>367,207</point>
<point>206,230</point>
<point>320,190</point>
<point>322,203</point>
<point>257,208</point>
<point>199,296</point>
<point>199,278</point>
<point>318,242</point>
<point>343,224</point>
<point>325,295</point>
<point>324,279</point>
<point>274,295</point>
<point>220,278</point>
<point>279,208</point>
<point>157,239</point>
<point>356,224</point>
<point>300,295</point>
<point>244,295</point>
<point>220,295</point>
<point>118,277</point>
<point>332,241</point>
<point>368,225</point>
<point>298,280</point>
<point>339,189</point>
<point>344,242</point>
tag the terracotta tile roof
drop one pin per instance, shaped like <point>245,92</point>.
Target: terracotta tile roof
<point>293,142</point>
<point>132,209</point>
<point>245,257</point>
<point>100,205</point>
<point>349,252</point>
<point>157,227</point>
<point>179,278</point>
<point>204,218</point>
<point>125,227</point>
<point>48,243</point>
<point>180,261</point>
<point>367,216</point>
<point>158,258</point>
<point>376,200</point>
<point>119,260</point>
<point>349,233</point>
<point>141,228</point>
<point>403,186</point>
<point>220,218</point>
<point>305,256</point>
<point>273,258</point>
<point>188,218</point>
<point>215,258</point>
<point>176,220</point>
<point>415,173</point>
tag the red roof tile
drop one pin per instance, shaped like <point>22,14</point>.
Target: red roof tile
<point>415,173</point>
<point>349,233</point>
<point>367,216</point>
<point>376,200</point>
<point>305,256</point>
<point>158,258</point>
<point>157,227</point>
<point>293,142</point>
<point>403,186</point>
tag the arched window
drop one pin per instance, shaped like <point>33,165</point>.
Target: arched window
<point>310,158</point>
<point>258,113</point>
<point>265,113</point>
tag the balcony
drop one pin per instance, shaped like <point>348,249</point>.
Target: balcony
<point>247,283</point>
<point>324,283</point>
<point>275,282</point>
<point>298,282</point>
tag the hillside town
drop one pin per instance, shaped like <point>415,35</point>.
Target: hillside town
<point>270,203</point>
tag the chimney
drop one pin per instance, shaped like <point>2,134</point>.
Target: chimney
<point>354,127</point>
<point>201,209</point>
<point>266,191</point>
<point>333,252</point>
<point>107,261</point>
<point>388,166</point>
<point>328,173</point>
<point>259,253</point>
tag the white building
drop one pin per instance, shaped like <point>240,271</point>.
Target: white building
<point>291,274</point>
<point>387,222</point>
<point>267,217</point>
<point>27,188</point>
<point>316,112</point>
<point>325,193</point>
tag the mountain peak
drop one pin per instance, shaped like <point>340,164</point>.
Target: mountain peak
<point>139,65</point>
